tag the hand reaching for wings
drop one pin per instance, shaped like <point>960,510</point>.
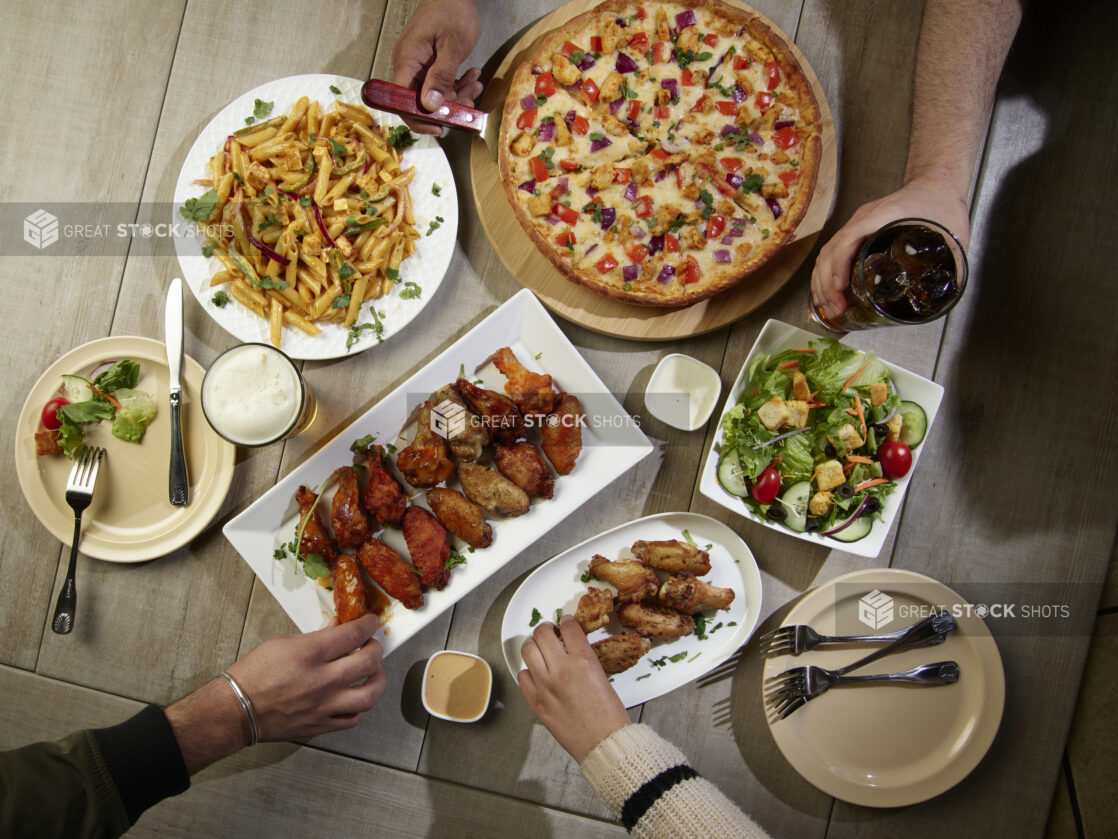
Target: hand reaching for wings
<point>436,40</point>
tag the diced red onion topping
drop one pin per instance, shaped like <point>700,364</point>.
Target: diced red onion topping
<point>730,129</point>
<point>528,186</point>
<point>609,216</point>
<point>547,132</point>
<point>631,192</point>
<point>778,438</point>
<point>672,86</point>
<point>616,104</point>
<point>756,139</point>
<point>591,191</point>
<point>739,94</point>
<point>630,272</point>
<point>685,18</point>
<point>774,207</point>
<point>321,225</point>
<point>569,118</point>
<point>663,173</point>
<point>639,232</point>
<point>586,62</point>
<point>786,123</point>
<point>625,64</point>
<point>551,219</point>
<point>849,521</point>
<point>655,244</point>
<point>728,239</point>
<point>598,145</point>
<point>264,249</point>
<point>735,180</point>
<point>528,103</point>
<point>666,274</point>
<point>590,249</point>
<point>564,185</point>
<point>722,255</point>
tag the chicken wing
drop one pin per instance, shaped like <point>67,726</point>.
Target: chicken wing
<point>632,580</point>
<point>672,556</point>
<point>391,573</point>
<point>594,609</point>
<point>688,594</point>
<point>497,411</point>
<point>349,590</point>
<point>467,439</point>
<point>562,434</point>
<point>384,497</point>
<point>424,463</point>
<point>428,547</point>
<point>347,516</point>
<point>620,652</point>
<point>315,540</point>
<point>492,491</point>
<point>460,516</point>
<point>532,392</point>
<point>522,464</point>
<point>656,621</point>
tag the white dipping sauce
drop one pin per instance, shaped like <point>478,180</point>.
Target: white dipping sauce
<point>682,391</point>
<point>252,395</point>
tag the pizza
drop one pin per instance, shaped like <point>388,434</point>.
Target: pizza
<point>659,153</point>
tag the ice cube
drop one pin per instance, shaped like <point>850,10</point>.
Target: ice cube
<point>932,291</point>
<point>886,281</point>
<point>918,248</point>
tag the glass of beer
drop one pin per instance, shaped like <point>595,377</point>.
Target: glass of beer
<point>910,271</point>
<point>254,395</point>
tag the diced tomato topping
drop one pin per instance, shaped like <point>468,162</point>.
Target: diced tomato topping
<point>557,192</point>
<point>742,63</point>
<point>634,109</point>
<point>711,40</point>
<point>671,243</point>
<point>786,137</point>
<point>789,178</point>
<point>596,44</point>
<point>580,125</point>
<point>662,112</point>
<point>691,272</point>
<point>686,78</point>
<point>723,187</point>
<point>569,164</point>
<point>526,119</point>
<point>716,224</point>
<point>568,48</point>
<point>727,107</point>
<point>660,52</point>
<point>545,84</point>
<point>639,42</point>
<point>636,254</point>
<point>730,164</point>
<point>678,178</point>
<point>565,213</point>
<point>641,13</point>
<point>772,71</point>
<point>659,153</point>
<point>539,169</point>
<point>644,207</point>
<point>621,175</point>
<point>606,264</point>
<point>698,106</point>
<point>590,90</point>
<point>763,101</point>
<point>562,239</point>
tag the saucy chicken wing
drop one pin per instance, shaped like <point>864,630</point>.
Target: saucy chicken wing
<point>632,580</point>
<point>562,434</point>
<point>428,547</point>
<point>460,516</point>
<point>347,516</point>
<point>497,411</point>
<point>384,497</point>
<point>391,573</point>
<point>349,590</point>
<point>315,539</point>
<point>522,464</point>
<point>492,491</point>
<point>424,463</point>
<point>688,594</point>
<point>466,439</point>
<point>532,392</point>
<point>672,556</point>
<point>620,652</point>
<point>656,621</point>
<point>594,609</point>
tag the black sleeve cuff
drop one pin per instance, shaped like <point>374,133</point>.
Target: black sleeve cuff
<point>144,759</point>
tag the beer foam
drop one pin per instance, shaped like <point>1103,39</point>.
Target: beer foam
<point>251,395</point>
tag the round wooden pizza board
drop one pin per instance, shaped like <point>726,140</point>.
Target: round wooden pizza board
<point>611,317</point>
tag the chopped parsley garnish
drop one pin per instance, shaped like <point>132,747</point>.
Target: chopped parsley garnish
<point>377,328</point>
<point>336,148</point>
<point>340,302</point>
<point>752,182</point>
<point>261,109</point>
<point>549,152</point>
<point>701,626</point>
<point>536,617</point>
<point>576,56</point>
<point>393,274</point>
<point>220,299</point>
<point>454,559</point>
<point>645,676</point>
<point>200,208</point>
<point>595,210</point>
<point>434,225</point>
<point>436,190</point>
<point>400,136</point>
<point>305,201</point>
<point>765,234</point>
<point>410,291</point>
<point>685,57</point>
<point>270,221</point>
<point>595,136</point>
<point>794,163</point>
<point>346,271</point>
<point>269,282</point>
<point>540,99</point>
<point>626,286</point>
<point>538,355</point>
<point>627,91</point>
<point>334,89</point>
<point>708,201</point>
<point>208,248</point>
<point>362,444</point>
<point>587,576</point>
<point>558,615</point>
<point>280,552</point>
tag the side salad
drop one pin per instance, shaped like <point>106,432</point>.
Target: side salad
<point>818,439</point>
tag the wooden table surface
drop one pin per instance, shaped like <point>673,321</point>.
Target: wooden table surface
<point>101,102</point>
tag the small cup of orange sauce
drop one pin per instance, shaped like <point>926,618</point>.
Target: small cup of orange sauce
<point>457,686</point>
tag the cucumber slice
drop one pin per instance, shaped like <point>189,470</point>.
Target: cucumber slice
<point>859,529</point>
<point>76,389</point>
<point>915,424</point>
<point>795,500</point>
<point>731,476</point>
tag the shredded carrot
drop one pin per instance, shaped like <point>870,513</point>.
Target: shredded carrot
<point>861,414</point>
<point>808,349</point>
<point>817,404</point>
<point>108,396</point>
<point>788,364</point>
<point>857,458</point>
<point>871,483</point>
<point>850,381</point>
<point>776,460</point>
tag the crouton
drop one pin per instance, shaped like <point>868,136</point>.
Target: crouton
<point>850,437</point>
<point>821,503</point>
<point>797,413</point>
<point>828,475</point>
<point>773,414</point>
<point>46,443</point>
<point>879,392</point>
<point>800,390</point>
<point>894,426</point>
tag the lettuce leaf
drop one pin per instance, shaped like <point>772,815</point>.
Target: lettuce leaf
<point>70,436</point>
<point>124,374</point>
<point>137,410</point>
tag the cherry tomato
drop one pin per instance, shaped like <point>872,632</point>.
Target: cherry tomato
<point>895,458</point>
<point>767,486</point>
<point>49,418</point>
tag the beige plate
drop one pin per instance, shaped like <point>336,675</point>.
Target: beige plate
<point>596,311</point>
<point>892,745</point>
<point>131,518</point>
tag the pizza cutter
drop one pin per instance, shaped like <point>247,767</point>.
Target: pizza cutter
<point>403,101</point>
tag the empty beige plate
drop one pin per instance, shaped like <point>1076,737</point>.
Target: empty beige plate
<point>131,518</point>
<point>891,745</point>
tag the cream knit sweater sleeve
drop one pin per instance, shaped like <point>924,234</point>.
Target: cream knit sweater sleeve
<point>648,784</point>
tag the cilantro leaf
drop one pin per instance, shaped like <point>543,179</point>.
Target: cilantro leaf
<point>336,148</point>
<point>455,558</point>
<point>400,136</point>
<point>208,248</point>
<point>410,291</point>
<point>261,108</point>
<point>201,208</point>
<point>334,89</point>
<point>436,190</point>
<point>536,617</point>
<point>362,444</point>
<point>752,182</point>
<point>314,566</point>
<point>220,299</point>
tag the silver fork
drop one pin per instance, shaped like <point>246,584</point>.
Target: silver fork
<point>79,493</point>
<point>793,640</point>
<point>798,686</point>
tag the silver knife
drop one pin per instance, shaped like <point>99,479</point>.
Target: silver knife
<point>172,334</point>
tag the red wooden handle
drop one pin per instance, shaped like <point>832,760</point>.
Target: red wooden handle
<point>404,101</point>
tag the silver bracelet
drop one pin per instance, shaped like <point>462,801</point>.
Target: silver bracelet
<point>246,703</point>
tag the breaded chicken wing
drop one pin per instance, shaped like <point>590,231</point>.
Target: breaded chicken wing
<point>522,464</point>
<point>497,411</point>
<point>532,392</point>
<point>347,516</point>
<point>391,573</point>
<point>562,434</point>
<point>656,621</point>
<point>632,580</point>
<point>315,539</point>
<point>460,516</point>
<point>428,547</point>
<point>620,652</point>
<point>424,463</point>
<point>384,497</point>
<point>349,590</point>
<point>492,491</point>
<point>468,439</point>
<point>672,556</point>
<point>688,594</point>
<point>594,609</point>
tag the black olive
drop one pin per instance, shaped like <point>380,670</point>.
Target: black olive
<point>882,429</point>
<point>872,505</point>
<point>845,491</point>
<point>776,512</point>
<point>814,525</point>
<point>830,451</point>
